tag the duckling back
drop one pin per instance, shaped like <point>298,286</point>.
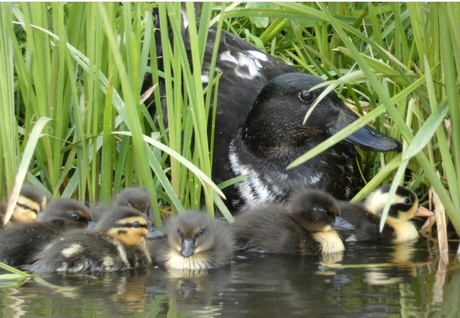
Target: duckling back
<point>117,243</point>
<point>19,242</point>
<point>194,241</point>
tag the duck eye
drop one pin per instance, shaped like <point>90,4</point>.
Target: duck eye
<point>23,205</point>
<point>321,210</point>
<point>407,201</point>
<point>305,95</point>
<point>136,224</point>
<point>201,232</point>
<point>74,216</point>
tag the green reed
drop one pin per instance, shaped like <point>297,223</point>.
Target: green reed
<point>82,65</point>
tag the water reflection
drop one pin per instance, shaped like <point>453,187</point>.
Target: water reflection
<point>364,281</point>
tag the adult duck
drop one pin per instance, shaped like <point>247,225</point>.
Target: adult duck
<point>366,216</point>
<point>259,126</point>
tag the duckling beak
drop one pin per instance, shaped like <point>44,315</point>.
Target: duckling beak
<point>423,212</point>
<point>154,234</point>
<point>91,225</point>
<point>187,247</point>
<point>366,137</point>
<point>342,224</point>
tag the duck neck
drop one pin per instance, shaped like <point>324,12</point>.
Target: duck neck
<point>329,241</point>
<point>403,230</point>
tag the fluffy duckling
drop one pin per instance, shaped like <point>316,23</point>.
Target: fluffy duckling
<point>19,242</point>
<point>366,217</point>
<point>136,198</point>
<point>194,241</point>
<point>116,243</point>
<point>302,226</point>
<point>31,200</point>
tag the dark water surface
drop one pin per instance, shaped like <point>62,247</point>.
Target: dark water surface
<point>366,281</point>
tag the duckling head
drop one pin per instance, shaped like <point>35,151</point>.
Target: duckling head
<point>317,211</point>
<point>31,200</point>
<point>404,204</point>
<point>66,212</point>
<point>127,225</point>
<point>192,233</point>
<point>136,198</point>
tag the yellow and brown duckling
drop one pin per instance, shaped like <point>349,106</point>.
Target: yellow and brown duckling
<point>194,241</point>
<point>116,243</point>
<point>19,242</point>
<point>398,227</point>
<point>304,225</point>
<point>31,200</point>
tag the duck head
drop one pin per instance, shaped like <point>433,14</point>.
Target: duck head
<point>404,204</point>
<point>127,225</point>
<point>191,233</point>
<point>317,211</point>
<point>276,120</point>
<point>31,200</point>
<point>66,212</point>
<point>136,198</point>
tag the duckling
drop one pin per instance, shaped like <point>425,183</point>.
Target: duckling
<point>302,226</point>
<point>116,243</point>
<point>137,198</point>
<point>31,200</point>
<point>19,242</point>
<point>366,217</point>
<point>194,241</point>
<point>259,127</point>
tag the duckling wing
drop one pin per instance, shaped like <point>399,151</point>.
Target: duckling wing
<point>81,251</point>
<point>18,243</point>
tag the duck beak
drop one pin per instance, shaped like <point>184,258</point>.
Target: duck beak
<point>187,247</point>
<point>423,212</point>
<point>366,137</point>
<point>91,225</point>
<point>153,233</point>
<point>342,224</point>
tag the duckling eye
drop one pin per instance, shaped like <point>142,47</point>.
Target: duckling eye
<point>407,201</point>
<point>24,206</point>
<point>305,95</point>
<point>136,224</point>
<point>74,216</point>
<point>201,232</point>
<point>322,210</point>
<point>129,205</point>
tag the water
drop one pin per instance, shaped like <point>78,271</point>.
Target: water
<point>366,281</point>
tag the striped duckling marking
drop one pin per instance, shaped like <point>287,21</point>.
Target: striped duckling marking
<point>116,243</point>
<point>19,242</point>
<point>31,200</point>
<point>398,228</point>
